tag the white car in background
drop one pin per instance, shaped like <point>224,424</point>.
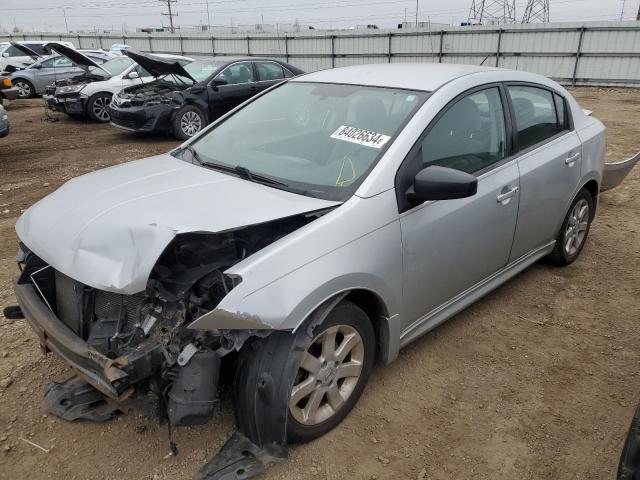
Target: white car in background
<point>92,98</point>
<point>11,55</point>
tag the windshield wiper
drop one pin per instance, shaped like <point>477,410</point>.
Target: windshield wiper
<point>239,170</point>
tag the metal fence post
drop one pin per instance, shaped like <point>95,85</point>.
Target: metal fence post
<point>440,54</point>
<point>150,44</point>
<point>498,49</point>
<point>578,53</point>
<point>333,51</point>
<point>389,48</point>
<point>213,45</point>
<point>181,44</point>
<point>249,46</point>
<point>286,49</point>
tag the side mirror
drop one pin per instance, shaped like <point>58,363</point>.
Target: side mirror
<point>441,183</point>
<point>133,75</point>
<point>217,82</point>
<point>5,55</point>
<point>37,66</point>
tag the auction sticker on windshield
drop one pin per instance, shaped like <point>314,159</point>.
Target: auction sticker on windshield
<point>360,136</point>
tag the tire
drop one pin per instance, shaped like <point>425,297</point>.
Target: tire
<point>25,88</point>
<point>346,321</point>
<point>574,231</point>
<point>187,122</point>
<point>98,107</point>
<point>269,370</point>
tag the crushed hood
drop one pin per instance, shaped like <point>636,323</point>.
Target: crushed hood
<point>26,50</point>
<point>157,66</point>
<point>107,229</point>
<point>75,56</point>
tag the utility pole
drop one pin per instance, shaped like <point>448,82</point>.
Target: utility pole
<point>417,8</point>
<point>622,11</point>
<point>171,14</point>
<point>208,17</point>
<point>64,12</point>
<point>638,16</point>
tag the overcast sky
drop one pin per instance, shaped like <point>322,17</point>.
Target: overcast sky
<point>89,14</point>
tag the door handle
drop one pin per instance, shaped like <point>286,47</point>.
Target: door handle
<point>572,158</point>
<point>503,197</point>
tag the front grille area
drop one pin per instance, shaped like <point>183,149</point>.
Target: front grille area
<point>108,305</point>
<point>127,120</point>
<point>73,299</point>
<point>69,302</point>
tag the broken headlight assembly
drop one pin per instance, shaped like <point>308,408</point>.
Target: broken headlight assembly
<point>71,88</point>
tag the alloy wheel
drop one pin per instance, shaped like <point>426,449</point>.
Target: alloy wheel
<point>24,89</point>
<point>328,375</point>
<point>577,226</point>
<point>100,108</point>
<point>190,123</point>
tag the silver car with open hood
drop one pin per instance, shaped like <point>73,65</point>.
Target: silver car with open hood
<point>319,227</point>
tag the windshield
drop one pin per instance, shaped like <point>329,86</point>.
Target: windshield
<point>201,70</point>
<point>115,66</point>
<point>322,139</point>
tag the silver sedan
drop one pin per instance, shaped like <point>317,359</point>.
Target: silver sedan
<point>318,227</point>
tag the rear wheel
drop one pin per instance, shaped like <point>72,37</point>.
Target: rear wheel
<point>98,107</point>
<point>575,228</point>
<point>25,88</point>
<point>188,121</point>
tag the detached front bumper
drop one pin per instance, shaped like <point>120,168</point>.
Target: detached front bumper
<point>9,93</point>
<point>112,377</point>
<point>153,118</point>
<point>70,104</point>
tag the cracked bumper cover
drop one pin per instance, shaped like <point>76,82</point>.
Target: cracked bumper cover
<point>112,377</point>
<point>66,104</point>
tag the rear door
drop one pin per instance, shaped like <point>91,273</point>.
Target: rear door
<point>549,158</point>
<point>269,73</point>
<point>240,84</point>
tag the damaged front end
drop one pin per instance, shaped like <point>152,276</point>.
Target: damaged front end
<point>137,350</point>
<point>147,107</point>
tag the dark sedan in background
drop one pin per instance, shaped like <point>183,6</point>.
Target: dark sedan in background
<point>185,99</point>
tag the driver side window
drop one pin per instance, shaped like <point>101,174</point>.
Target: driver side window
<point>470,136</point>
<point>238,73</point>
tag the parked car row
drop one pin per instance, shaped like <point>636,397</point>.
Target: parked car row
<point>141,92</point>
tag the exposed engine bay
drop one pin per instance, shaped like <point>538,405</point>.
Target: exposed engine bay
<point>155,362</point>
<point>159,91</point>
<point>84,78</point>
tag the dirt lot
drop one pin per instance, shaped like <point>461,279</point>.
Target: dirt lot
<point>538,380</point>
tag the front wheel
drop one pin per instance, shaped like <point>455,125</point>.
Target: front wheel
<point>25,88</point>
<point>188,121</point>
<point>98,107</point>
<point>575,228</point>
<point>332,373</point>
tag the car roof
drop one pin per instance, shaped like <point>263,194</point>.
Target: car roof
<point>413,76</point>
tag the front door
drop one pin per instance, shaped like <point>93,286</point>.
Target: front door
<point>549,164</point>
<point>451,245</point>
<point>239,85</point>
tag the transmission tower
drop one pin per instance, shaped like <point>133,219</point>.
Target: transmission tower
<point>492,11</point>
<point>536,11</point>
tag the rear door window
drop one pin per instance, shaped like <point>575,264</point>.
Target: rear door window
<point>269,71</point>
<point>536,115</point>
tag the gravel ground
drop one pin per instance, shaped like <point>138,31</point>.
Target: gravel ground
<point>538,380</point>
